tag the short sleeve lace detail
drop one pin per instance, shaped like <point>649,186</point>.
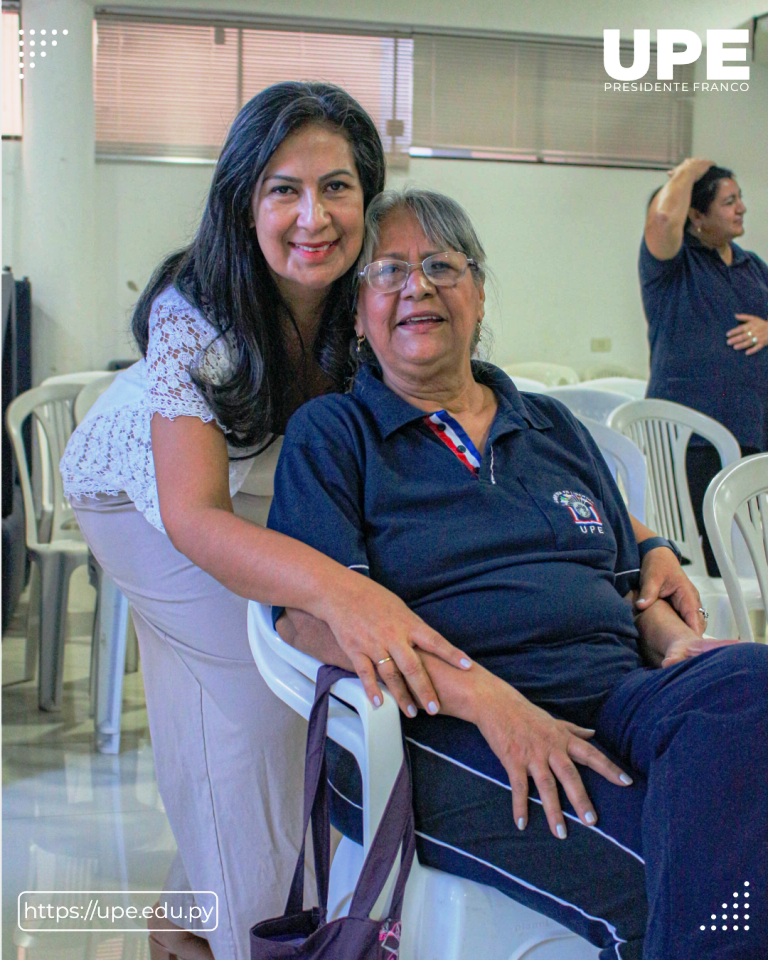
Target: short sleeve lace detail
<point>111,451</point>
<point>180,339</point>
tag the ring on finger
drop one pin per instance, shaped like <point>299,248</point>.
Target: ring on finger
<point>704,613</point>
<point>754,339</point>
<point>384,660</point>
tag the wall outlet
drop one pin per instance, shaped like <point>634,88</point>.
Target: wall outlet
<point>600,345</point>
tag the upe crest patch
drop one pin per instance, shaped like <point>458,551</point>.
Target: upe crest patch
<point>581,509</point>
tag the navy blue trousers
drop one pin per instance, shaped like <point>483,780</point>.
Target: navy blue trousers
<point>676,867</point>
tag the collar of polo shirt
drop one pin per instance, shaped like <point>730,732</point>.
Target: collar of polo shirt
<point>392,412</point>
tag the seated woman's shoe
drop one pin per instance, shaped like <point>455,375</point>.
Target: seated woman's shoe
<point>169,942</point>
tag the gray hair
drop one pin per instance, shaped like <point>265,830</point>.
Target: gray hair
<point>442,219</point>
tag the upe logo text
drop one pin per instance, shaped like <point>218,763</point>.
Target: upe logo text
<point>667,57</point>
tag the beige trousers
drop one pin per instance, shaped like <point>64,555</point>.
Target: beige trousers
<point>228,753</point>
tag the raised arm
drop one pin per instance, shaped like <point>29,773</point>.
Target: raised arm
<point>665,222</point>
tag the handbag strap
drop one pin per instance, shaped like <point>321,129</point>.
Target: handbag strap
<point>396,828</point>
<point>316,804</point>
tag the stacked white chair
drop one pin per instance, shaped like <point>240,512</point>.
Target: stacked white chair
<point>739,494</point>
<point>444,917</point>
<point>526,385</point>
<point>585,401</point>
<point>54,541</point>
<point>56,546</point>
<point>550,374</point>
<point>634,387</point>
<point>661,430</point>
<point>626,463</point>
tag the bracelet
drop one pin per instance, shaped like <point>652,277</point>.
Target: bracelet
<point>652,542</point>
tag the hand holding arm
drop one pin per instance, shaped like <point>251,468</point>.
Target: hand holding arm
<point>665,639</point>
<point>661,576</point>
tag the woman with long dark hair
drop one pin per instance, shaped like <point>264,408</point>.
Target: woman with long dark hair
<point>236,331</point>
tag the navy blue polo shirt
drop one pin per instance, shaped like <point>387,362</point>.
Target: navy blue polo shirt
<point>690,303</point>
<point>523,564</point>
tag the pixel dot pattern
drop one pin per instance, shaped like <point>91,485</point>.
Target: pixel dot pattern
<point>33,43</point>
<point>736,904</point>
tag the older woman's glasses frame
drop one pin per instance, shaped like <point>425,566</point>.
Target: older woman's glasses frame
<point>441,269</point>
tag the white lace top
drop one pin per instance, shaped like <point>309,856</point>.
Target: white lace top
<point>111,450</point>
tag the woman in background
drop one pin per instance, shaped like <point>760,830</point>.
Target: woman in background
<point>706,301</point>
<point>237,331</point>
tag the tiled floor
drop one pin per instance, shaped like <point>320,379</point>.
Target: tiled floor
<point>74,819</point>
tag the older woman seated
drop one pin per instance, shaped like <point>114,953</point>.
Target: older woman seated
<point>493,515</point>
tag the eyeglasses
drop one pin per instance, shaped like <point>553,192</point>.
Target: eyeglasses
<point>442,269</point>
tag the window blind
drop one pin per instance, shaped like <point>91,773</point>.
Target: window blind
<point>540,101</point>
<point>171,90</point>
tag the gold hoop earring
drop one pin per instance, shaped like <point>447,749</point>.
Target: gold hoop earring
<point>360,342</point>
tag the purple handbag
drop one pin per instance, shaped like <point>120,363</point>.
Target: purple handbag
<point>305,934</point>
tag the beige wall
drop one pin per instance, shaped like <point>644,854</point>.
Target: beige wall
<point>562,247</point>
<point>562,241</point>
<point>731,130</point>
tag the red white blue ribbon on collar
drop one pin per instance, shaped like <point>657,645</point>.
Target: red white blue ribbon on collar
<point>453,435</point>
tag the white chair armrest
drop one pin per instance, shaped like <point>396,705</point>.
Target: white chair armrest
<point>371,734</point>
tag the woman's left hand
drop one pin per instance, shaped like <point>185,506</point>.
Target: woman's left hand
<point>662,577</point>
<point>750,335</point>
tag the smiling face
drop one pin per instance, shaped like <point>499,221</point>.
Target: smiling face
<point>422,330</point>
<point>308,212</point>
<point>724,221</point>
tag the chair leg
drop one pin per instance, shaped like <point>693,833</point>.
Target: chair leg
<point>54,592</point>
<point>131,648</point>
<point>109,661</point>
<point>94,578</point>
<point>33,624</point>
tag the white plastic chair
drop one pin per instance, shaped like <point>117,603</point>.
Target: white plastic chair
<point>661,430</point>
<point>444,917</point>
<point>525,384</point>
<point>53,537</point>
<point>90,393</point>
<point>739,494</point>
<point>634,387</point>
<point>43,464</point>
<point>114,649</point>
<point>626,463</point>
<point>599,371</point>
<point>551,374</point>
<point>585,401</point>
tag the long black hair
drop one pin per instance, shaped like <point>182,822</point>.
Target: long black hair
<point>223,272</point>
